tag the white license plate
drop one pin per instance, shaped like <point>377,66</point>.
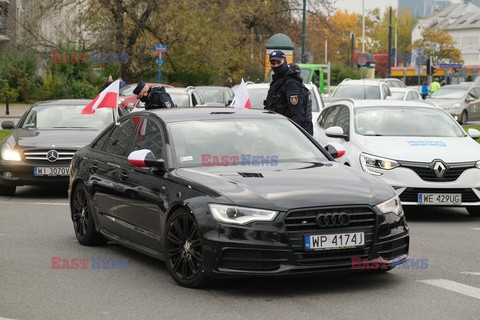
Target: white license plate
<point>338,240</point>
<point>51,171</point>
<point>439,198</point>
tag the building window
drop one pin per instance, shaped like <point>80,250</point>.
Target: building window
<point>3,18</point>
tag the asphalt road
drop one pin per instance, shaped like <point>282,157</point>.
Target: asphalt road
<point>35,226</point>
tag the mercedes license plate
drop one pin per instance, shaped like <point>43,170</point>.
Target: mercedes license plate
<point>51,171</point>
<point>439,198</point>
<point>332,241</point>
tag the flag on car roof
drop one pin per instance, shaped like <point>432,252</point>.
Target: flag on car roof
<point>242,99</point>
<point>108,98</point>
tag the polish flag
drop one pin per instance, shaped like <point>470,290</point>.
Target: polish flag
<point>108,98</point>
<point>242,99</point>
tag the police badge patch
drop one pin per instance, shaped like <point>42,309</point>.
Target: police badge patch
<point>294,99</point>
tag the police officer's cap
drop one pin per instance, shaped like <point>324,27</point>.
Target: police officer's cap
<point>277,55</point>
<point>139,87</point>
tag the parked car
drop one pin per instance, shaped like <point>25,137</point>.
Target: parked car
<point>39,149</point>
<point>417,148</point>
<point>392,82</point>
<point>362,89</point>
<point>404,94</point>
<point>127,97</point>
<point>222,192</point>
<point>258,93</point>
<point>461,101</point>
<point>182,97</point>
<point>216,96</point>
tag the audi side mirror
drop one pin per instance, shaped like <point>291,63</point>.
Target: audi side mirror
<point>336,150</point>
<point>145,158</point>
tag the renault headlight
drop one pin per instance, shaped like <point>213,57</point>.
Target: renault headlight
<point>7,153</point>
<point>240,215</point>
<point>369,163</point>
<point>391,206</point>
<point>477,165</point>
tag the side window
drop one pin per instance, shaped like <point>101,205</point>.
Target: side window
<point>415,95</point>
<point>149,136</point>
<point>477,92</point>
<point>316,76</point>
<point>194,99</point>
<point>343,119</point>
<point>327,117</point>
<point>386,91</point>
<point>409,96</point>
<point>118,142</point>
<point>98,145</point>
<point>472,94</point>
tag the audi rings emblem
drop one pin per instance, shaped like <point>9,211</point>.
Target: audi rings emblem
<point>52,155</point>
<point>336,219</point>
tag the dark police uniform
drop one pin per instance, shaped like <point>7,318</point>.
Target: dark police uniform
<point>289,96</point>
<point>158,97</point>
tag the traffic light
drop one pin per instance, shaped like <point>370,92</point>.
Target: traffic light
<point>433,70</point>
<point>429,68</point>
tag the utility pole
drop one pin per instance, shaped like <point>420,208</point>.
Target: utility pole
<point>304,32</point>
<point>389,65</point>
<point>352,47</point>
<point>363,35</point>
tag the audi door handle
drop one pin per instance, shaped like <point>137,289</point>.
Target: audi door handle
<point>124,175</point>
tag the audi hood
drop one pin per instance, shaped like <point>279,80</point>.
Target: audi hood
<point>289,185</point>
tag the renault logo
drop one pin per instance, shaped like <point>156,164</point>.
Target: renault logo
<point>52,155</point>
<point>335,219</point>
<point>439,169</point>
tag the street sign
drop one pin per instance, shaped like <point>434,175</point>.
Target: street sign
<point>450,65</point>
<point>159,61</point>
<point>160,48</point>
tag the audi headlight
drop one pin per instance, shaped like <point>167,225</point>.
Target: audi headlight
<point>7,153</point>
<point>240,215</point>
<point>369,162</point>
<point>391,206</point>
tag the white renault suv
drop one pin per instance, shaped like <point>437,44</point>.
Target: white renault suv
<point>419,149</point>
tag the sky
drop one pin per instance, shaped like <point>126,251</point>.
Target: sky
<point>356,5</point>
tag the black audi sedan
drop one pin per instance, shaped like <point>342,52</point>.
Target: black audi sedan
<point>39,149</point>
<point>218,192</point>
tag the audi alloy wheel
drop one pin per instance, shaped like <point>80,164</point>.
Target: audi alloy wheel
<point>82,218</point>
<point>184,250</point>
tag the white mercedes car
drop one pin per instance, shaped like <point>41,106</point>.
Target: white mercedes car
<point>419,149</point>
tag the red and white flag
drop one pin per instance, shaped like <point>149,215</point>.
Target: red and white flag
<point>242,99</point>
<point>108,98</point>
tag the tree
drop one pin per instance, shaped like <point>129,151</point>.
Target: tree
<point>439,45</point>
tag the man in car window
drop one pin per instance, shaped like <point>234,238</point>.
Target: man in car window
<point>287,94</point>
<point>154,97</point>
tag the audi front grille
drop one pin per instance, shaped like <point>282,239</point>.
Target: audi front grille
<point>299,223</point>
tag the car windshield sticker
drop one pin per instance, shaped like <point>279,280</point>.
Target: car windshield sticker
<point>189,158</point>
<point>427,143</point>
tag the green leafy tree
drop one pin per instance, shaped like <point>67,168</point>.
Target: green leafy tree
<point>439,45</point>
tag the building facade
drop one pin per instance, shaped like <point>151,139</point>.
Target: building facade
<point>462,22</point>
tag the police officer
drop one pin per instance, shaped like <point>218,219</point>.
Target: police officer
<point>287,95</point>
<point>154,97</point>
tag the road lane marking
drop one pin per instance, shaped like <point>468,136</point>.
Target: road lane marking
<point>471,273</point>
<point>475,228</point>
<point>6,318</point>
<point>457,287</point>
<point>35,203</point>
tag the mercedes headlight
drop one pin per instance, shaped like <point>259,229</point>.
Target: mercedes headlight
<point>391,206</point>
<point>369,162</point>
<point>240,215</point>
<point>7,153</point>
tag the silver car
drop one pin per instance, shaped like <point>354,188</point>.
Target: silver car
<point>461,101</point>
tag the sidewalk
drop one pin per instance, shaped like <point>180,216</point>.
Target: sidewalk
<point>14,111</point>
